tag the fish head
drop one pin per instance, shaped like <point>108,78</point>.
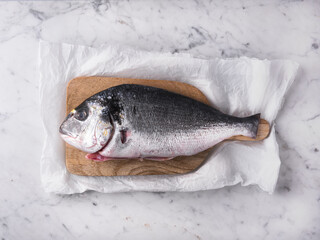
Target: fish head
<point>87,127</point>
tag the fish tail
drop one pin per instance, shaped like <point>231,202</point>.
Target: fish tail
<point>252,125</point>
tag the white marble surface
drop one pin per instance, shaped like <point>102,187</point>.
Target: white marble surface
<point>273,29</point>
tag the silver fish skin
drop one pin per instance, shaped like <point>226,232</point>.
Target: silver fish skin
<point>136,121</point>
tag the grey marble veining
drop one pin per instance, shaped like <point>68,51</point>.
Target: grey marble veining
<point>273,29</point>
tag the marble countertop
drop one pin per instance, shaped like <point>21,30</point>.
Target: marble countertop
<point>273,29</point>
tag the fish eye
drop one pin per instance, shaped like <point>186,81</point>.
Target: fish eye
<point>81,115</point>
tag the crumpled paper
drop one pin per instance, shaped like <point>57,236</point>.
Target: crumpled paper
<point>241,87</point>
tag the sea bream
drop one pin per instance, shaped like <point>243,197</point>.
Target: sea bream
<point>136,121</point>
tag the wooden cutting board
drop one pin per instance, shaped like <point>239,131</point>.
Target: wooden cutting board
<point>81,88</point>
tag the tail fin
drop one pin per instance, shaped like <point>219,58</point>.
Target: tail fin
<point>252,125</point>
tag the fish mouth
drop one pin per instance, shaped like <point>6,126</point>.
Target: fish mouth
<point>61,131</point>
<point>65,136</point>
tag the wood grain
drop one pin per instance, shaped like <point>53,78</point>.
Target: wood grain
<point>81,88</point>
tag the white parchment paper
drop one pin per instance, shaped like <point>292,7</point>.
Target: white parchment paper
<point>241,87</point>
